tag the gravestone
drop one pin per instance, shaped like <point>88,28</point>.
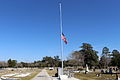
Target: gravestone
<point>110,70</point>
<point>87,69</point>
<point>102,71</point>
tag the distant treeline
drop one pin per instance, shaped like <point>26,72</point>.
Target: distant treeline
<point>45,62</point>
<point>86,55</point>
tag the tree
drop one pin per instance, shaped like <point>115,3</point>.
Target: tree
<point>106,54</point>
<point>48,61</point>
<point>105,51</point>
<point>102,61</point>
<point>3,64</point>
<point>115,53</point>
<point>57,61</point>
<point>19,65</point>
<point>12,63</point>
<point>24,64</point>
<point>77,58</point>
<point>90,55</point>
<point>116,60</point>
<point>56,58</point>
<point>72,63</point>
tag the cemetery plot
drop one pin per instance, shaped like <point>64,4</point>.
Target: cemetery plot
<point>95,76</point>
<point>19,74</point>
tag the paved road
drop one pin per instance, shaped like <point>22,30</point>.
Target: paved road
<point>43,75</point>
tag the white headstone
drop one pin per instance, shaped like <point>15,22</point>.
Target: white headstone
<point>87,69</point>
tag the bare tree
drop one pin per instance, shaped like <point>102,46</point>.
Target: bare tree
<point>76,58</point>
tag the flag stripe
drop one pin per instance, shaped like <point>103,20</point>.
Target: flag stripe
<point>64,38</point>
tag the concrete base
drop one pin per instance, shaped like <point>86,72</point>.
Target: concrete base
<point>118,78</point>
<point>65,77</point>
<point>87,72</point>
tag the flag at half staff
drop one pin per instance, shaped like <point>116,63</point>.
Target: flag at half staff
<point>64,38</point>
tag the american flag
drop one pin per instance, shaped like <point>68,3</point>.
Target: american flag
<point>64,38</point>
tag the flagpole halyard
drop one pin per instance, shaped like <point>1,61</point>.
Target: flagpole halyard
<point>61,25</point>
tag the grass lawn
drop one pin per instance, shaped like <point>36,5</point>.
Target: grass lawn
<point>52,72</point>
<point>31,76</point>
<point>92,76</point>
<point>33,72</point>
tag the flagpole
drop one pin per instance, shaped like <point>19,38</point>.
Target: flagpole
<point>61,25</point>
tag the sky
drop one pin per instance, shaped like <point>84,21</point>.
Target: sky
<point>30,29</point>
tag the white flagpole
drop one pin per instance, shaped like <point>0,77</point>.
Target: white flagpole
<point>61,25</point>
